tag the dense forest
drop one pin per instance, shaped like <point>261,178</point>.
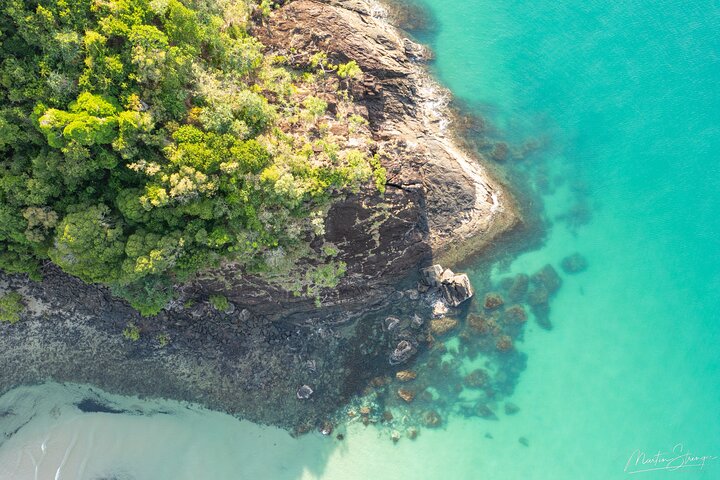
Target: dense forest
<point>144,140</point>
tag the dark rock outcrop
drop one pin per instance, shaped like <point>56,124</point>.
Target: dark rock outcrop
<point>439,203</point>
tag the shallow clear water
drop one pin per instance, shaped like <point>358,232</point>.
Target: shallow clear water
<point>623,100</point>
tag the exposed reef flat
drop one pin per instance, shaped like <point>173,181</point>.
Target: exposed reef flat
<point>252,359</point>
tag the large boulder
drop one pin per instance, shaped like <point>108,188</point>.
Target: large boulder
<point>456,289</point>
<point>431,276</point>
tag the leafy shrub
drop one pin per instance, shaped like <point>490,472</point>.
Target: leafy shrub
<point>349,70</point>
<point>163,340</point>
<point>219,302</point>
<point>131,332</point>
<point>315,106</point>
<point>11,306</point>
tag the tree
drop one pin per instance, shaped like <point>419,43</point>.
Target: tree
<point>90,244</point>
<point>11,306</point>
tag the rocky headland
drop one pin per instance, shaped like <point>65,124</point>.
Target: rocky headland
<point>273,356</point>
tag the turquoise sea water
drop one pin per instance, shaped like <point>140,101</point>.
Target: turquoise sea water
<point>622,100</point>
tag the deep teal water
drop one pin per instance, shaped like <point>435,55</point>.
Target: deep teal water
<point>622,100</point>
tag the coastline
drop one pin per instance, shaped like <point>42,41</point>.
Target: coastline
<point>549,371</point>
<point>243,362</point>
<point>489,218</point>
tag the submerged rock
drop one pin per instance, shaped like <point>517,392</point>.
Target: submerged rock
<point>406,394</point>
<point>539,295</point>
<point>380,381</point>
<point>511,408</point>
<point>548,278</point>
<point>514,314</point>
<point>493,300</point>
<point>431,419</point>
<point>545,283</point>
<point>483,324</point>
<point>440,326</point>
<point>478,378</point>
<point>504,343</point>
<point>518,287</point>
<point>574,263</point>
<point>483,411</point>
<point>405,375</point>
<point>500,152</point>
<point>542,315</point>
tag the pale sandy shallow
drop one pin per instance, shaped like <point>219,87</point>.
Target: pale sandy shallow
<point>190,443</point>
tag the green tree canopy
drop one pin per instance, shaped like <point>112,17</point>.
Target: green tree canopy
<point>139,143</point>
